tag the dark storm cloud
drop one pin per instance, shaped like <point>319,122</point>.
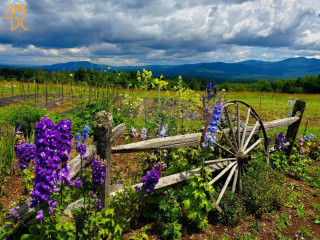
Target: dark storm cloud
<point>155,31</point>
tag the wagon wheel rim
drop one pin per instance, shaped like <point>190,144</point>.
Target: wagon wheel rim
<point>239,146</point>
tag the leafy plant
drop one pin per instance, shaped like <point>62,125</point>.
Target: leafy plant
<point>232,206</point>
<point>317,219</point>
<point>26,114</point>
<point>263,190</point>
<point>300,212</point>
<point>316,206</point>
<point>304,232</point>
<point>283,221</point>
<point>195,201</point>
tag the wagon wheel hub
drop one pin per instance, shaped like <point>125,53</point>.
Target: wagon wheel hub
<point>243,158</point>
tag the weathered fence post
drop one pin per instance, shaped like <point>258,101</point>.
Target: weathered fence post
<point>293,128</point>
<point>102,129</point>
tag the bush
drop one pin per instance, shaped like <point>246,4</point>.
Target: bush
<point>263,190</point>
<point>232,206</point>
<point>26,114</point>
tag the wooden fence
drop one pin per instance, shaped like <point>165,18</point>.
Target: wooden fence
<point>104,137</point>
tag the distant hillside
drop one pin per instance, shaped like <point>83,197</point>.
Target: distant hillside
<point>237,72</point>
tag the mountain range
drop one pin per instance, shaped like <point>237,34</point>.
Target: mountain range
<point>251,70</point>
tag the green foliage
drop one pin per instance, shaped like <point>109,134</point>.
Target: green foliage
<point>317,219</point>
<point>300,168</point>
<point>300,212</point>
<point>141,234</point>
<point>263,190</point>
<point>232,206</point>
<point>316,206</point>
<point>170,213</point>
<point>315,181</point>
<point>279,161</point>
<point>26,114</point>
<point>283,221</point>
<point>304,232</point>
<point>195,201</point>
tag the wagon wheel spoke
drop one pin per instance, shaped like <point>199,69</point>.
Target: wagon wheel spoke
<point>231,128</point>
<point>222,173</point>
<point>226,184</point>
<point>238,125</point>
<point>240,180</point>
<point>219,160</point>
<point>253,146</point>
<point>245,129</point>
<point>251,134</point>
<point>228,140</point>
<point>235,179</point>
<point>226,150</point>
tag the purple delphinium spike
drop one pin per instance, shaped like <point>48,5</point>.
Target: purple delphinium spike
<point>280,140</point>
<point>150,180</point>
<point>53,146</point>
<point>212,129</point>
<point>78,182</point>
<point>25,152</point>
<point>98,172</point>
<point>40,215</point>
<point>134,132</point>
<point>13,212</point>
<point>143,134</point>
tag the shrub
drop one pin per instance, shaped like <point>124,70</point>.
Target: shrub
<point>232,206</point>
<point>263,190</point>
<point>26,114</point>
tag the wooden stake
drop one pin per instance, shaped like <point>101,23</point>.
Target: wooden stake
<point>102,128</point>
<point>292,131</point>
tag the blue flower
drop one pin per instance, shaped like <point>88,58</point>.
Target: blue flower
<point>77,137</point>
<point>311,136</point>
<point>289,102</point>
<point>163,132</point>
<point>212,129</point>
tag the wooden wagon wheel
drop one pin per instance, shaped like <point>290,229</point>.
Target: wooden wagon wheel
<point>238,137</point>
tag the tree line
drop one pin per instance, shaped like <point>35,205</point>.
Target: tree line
<point>309,84</point>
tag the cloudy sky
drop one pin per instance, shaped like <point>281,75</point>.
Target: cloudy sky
<point>140,32</point>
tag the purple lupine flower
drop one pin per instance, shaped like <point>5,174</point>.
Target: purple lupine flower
<point>40,215</point>
<point>311,136</point>
<point>52,204</point>
<point>99,205</point>
<point>78,182</point>
<point>134,132</point>
<point>81,149</point>
<point>212,129</point>
<point>137,188</point>
<point>280,140</point>
<point>163,132</point>
<point>13,212</point>
<point>150,180</point>
<point>98,172</point>
<point>94,195</point>
<point>305,138</point>
<point>143,134</point>
<point>25,152</point>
